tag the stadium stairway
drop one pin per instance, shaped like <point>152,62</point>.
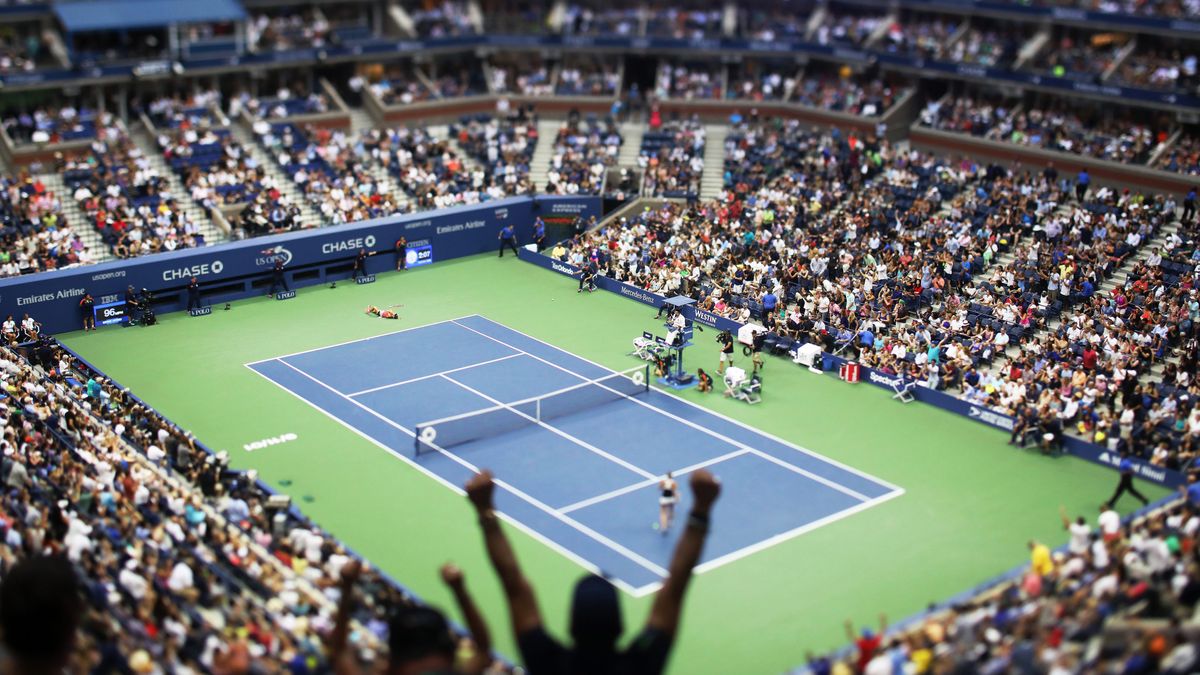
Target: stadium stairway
<point>713,179</point>
<point>308,217</point>
<point>183,197</point>
<point>631,144</point>
<point>76,218</point>
<point>360,121</point>
<point>539,165</point>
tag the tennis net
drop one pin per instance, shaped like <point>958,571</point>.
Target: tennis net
<point>448,432</point>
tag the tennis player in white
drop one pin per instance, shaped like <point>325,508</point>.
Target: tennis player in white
<point>666,502</point>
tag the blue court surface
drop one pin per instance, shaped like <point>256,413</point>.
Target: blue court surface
<point>585,484</point>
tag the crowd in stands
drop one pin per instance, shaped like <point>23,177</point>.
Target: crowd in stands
<point>401,84</point>
<point>986,46</point>
<point>688,24</point>
<point>856,96</point>
<point>56,125</point>
<point>610,20</point>
<point>20,49</point>
<point>583,150</point>
<point>442,20</point>
<point>216,169</point>
<point>588,77</point>
<point>847,29</point>
<point>896,256</point>
<point>760,82</point>
<point>1161,8</point>
<point>285,103</point>
<point>1081,56</point>
<point>770,23</point>
<point>285,30</point>
<point>426,167</point>
<point>966,113</point>
<point>126,199</point>
<point>924,37</point>
<point>504,148</point>
<point>164,558</point>
<point>1111,138</point>
<point>521,75</point>
<point>332,170</point>
<point>672,158</point>
<point>1183,156</point>
<point>676,80</point>
<point>34,234</point>
<point>1159,70</point>
<point>1119,598</point>
<point>181,112</point>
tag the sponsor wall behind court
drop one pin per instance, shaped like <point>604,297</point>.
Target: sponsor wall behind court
<point>240,269</point>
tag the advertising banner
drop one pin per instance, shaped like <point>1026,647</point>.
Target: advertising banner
<point>231,271</point>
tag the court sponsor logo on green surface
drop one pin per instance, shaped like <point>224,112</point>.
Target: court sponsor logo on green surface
<point>268,442</point>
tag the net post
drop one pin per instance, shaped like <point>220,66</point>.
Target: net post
<point>646,377</point>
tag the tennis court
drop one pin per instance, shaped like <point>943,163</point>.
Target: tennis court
<point>584,484</point>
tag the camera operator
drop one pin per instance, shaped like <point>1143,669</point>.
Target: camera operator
<point>132,305</point>
<point>145,300</point>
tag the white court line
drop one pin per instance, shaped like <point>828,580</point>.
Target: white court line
<point>430,377</point>
<point>350,342</point>
<point>639,591</point>
<point>584,444</point>
<point>553,545</point>
<point>802,472</point>
<point>648,482</point>
<point>541,506</point>
<point>747,427</point>
<point>719,436</point>
<point>746,551</point>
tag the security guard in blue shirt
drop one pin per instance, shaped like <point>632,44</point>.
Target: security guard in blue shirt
<point>539,233</point>
<point>1126,484</point>
<point>507,238</point>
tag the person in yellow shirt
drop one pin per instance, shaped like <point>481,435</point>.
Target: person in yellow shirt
<point>1039,558</point>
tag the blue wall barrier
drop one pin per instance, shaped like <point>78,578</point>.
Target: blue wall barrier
<point>983,415</point>
<point>630,291</point>
<point>241,269</point>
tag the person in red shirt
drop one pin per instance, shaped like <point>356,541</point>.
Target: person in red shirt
<point>867,642</point>
<point>1089,358</point>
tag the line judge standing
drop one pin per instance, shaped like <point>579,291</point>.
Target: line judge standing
<point>507,237</point>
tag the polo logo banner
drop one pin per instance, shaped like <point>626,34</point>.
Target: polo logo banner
<point>285,295</point>
<point>202,311</point>
<point>849,372</point>
<point>365,279</point>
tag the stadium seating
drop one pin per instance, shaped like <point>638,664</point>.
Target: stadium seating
<point>985,276</point>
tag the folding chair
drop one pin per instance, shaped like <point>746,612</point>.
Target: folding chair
<point>646,347</point>
<point>904,390</point>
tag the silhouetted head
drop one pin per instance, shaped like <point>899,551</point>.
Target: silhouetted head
<point>595,614</point>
